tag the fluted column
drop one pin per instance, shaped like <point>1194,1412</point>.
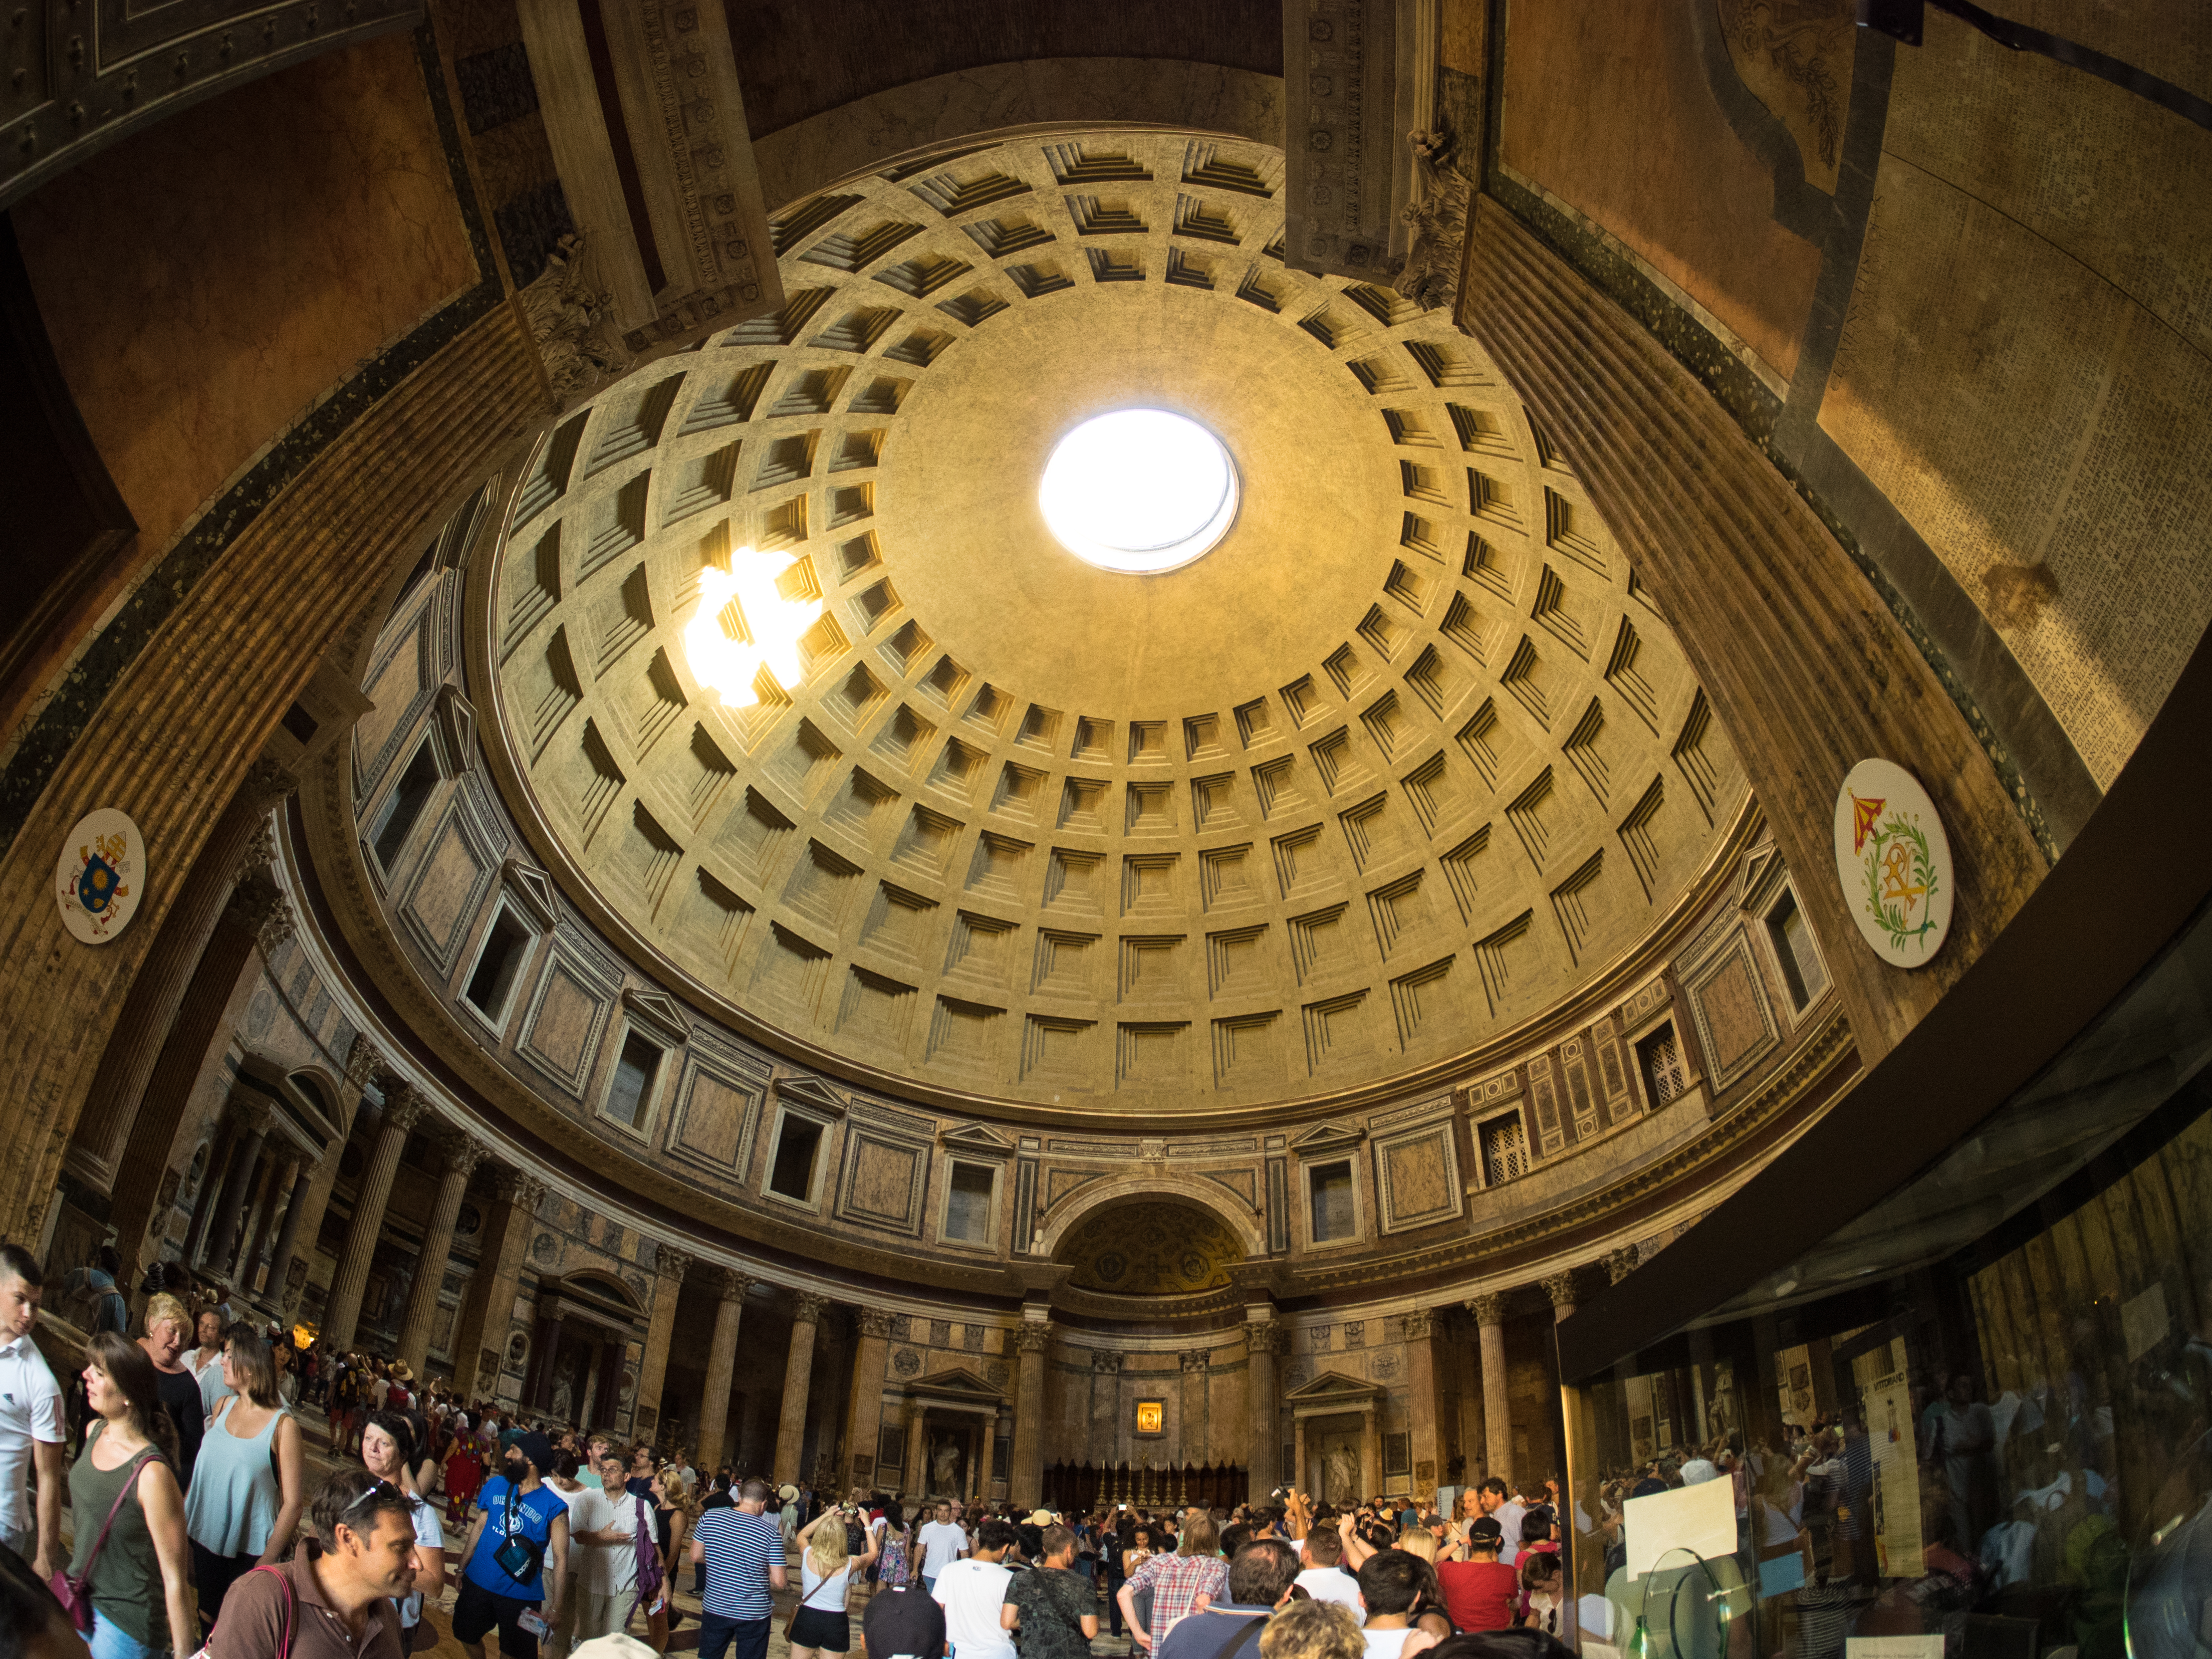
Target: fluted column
<point>402,1110</point>
<point>798,1374</point>
<point>1425,1409</point>
<point>304,1170</point>
<point>284,1177</point>
<point>1489,1311</point>
<point>462,1152</point>
<point>244,1166</point>
<point>1263,1340</point>
<point>721,1364</point>
<point>1195,1363</point>
<point>669,1266</point>
<point>480,1332</point>
<point>1105,1406</point>
<point>863,1412</point>
<point>913,1465</point>
<point>1560,1288</point>
<point>222,1150</point>
<point>1032,1338</point>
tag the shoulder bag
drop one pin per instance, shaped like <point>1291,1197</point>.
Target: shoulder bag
<point>74,1591</point>
<point>518,1556</point>
<point>291,1613</point>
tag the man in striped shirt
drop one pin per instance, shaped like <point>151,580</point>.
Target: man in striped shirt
<point>743,1552</point>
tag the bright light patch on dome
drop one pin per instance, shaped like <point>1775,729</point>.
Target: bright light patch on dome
<point>747,623</point>
<point>1138,492</point>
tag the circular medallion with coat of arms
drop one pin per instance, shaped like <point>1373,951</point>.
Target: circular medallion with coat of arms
<point>1894,863</point>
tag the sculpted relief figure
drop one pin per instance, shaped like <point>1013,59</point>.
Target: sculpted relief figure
<point>570,319</point>
<point>1437,214</point>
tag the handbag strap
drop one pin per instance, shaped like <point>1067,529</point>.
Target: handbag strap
<point>1236,1636</point>
<point>129,1482</point>
<point>291,1606</point>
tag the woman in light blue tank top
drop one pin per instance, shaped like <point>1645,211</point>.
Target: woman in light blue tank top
<point>243,1506</point>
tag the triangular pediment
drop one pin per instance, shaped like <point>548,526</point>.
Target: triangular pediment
<point>961,1384</point>
<point>533,891</point>
<point>1328,1138</point>
<point>1333,1385</point>
<point>976,1139</point>
<point>810,1092</point>
<point>658,1013</point>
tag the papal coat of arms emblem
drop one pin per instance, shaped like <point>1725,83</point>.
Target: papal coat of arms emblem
<point>1894,863</point>
<point>101,875</point>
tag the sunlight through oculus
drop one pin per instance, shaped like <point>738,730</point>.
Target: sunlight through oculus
<point>1138,492</point>
<point>748,624</point>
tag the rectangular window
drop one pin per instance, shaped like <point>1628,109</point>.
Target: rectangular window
<point>1659,1058</point>
<point>630,1095</point>
<point>1334,1215</point>
<point>492,979</point>
<point>967,1203</point>
<point>792,1174</point>
<point>395,820</point>
<point>1794,950</point>
<point>1504,1148</point>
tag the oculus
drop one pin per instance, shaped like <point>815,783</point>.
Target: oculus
<point>1139,491</point>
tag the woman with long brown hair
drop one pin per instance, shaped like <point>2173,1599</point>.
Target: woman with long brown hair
<point>131,1552</point>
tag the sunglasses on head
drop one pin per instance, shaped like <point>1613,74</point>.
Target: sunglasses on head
<point>383,1494</point>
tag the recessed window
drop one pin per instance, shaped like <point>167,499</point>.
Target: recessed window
<point>1794,950</point>
<point>1504,1148</point>
<point>967,1203</point>
<point>396,819</point>
<point>491,982</point>
<point>1334,1216</point>
<point>630,1095</point>
<point>792,1175</point>
<point>1659,1059</point>
<point>1138,492</point>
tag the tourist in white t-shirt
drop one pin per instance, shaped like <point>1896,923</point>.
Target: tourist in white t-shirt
<point>1323,1577</point>
<point>939,1545</point>
<point>972,1592</point>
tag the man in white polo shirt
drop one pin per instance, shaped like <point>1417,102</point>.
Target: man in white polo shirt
<point>30,1420</point>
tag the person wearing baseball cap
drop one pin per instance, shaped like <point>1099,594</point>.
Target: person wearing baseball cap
<point>516,1562</point>
<point>1481,1592</point>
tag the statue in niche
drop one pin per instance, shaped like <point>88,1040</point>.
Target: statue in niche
<point>564,1400</point>
<point>1341,1465</point>
<point>944,1461</point>
<point>571,320</point>
<point>1437,216</point>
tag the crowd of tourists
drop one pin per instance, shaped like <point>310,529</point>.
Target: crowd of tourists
<point>195,1525</point>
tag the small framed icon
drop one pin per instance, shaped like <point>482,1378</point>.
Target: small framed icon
<point>1151,1419</point>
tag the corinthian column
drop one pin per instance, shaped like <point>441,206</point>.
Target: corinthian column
<point>1489,1311</point>
<point>1031,1337</point>
<point>463,1153</point>
<point>402,1110</point>
<point>798,1374</point>
<point>864,1413</point>
<point>288,1236</point>
<point>1560,1288</point>
<point>669,1266</point>
<point>1263,1340</point>
<point>245,1167</point>
<point>480,1333</point>
<point>721,1364</point>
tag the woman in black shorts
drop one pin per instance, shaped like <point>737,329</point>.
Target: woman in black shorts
<point>819,1624</point>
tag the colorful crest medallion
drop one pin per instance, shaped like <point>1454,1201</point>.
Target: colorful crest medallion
<point>101,875</point>
<point>1893,862</point>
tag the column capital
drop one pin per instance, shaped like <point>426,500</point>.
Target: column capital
<point>259,852</point>
<point>403,1104</point>
<point>520,1188</point>
<point>363,1061</point>
<point>1488,1308</point>
<point>252,1117</point>
<point>730,1282</point>
<point>462,1152</point>
<point>1619,1263</point>
<point>1560,1288</point>
<point>671,1263</point>
<point>1105,1364</point>
<point>1265,1336</point>
<point>807,1307</point>
<point>873,1321</point>
<point>1420,1324</point>
<point>266,783</point>
<point>259,905</point>
<point>1032,1336</point>
<point>1197,1360</point>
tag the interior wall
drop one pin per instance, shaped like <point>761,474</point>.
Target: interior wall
<point>206,281</point>
<point>2028,354</point>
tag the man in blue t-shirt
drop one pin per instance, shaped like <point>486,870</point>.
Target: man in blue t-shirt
<point>517,1558</point>
<point>742,1551</point>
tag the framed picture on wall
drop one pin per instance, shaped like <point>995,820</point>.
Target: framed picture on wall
<point>1151,1419</point>
<point>1397,1455</point>
<point>891,1447</point>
